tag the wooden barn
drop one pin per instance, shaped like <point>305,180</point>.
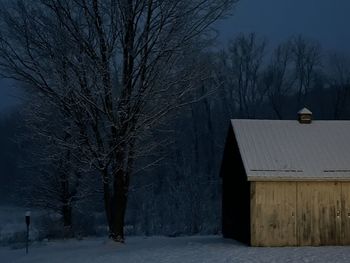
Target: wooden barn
<point>287,182</point>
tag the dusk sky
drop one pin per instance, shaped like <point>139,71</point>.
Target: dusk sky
<point>324,20</point>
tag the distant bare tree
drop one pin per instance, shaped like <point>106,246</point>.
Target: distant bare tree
<point>223,74</point>
<point>339,81</point>
<point>244,61</point>
<point>307,61</point>
<point>112,67</point>
<point>277,78</point>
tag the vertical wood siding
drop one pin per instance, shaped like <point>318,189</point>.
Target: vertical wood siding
<point>319,213</point>
<point>345,213</point>
<point>273,209</point>
<point>300,213</point>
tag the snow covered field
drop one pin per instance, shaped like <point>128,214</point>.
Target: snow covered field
<point>168,250</point>
<point>196,249</point>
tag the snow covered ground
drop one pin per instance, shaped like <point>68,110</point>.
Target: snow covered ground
<point>195,249</point>
<point>13,227</point>
<point>168,250</point>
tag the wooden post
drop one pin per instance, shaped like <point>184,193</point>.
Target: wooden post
<point>27,217</point>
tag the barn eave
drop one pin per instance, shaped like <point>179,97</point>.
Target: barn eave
<point>296,179</point>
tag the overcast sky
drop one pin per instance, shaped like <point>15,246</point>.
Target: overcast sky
<point>327,21</point>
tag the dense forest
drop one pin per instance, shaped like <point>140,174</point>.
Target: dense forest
<point>175,185</point>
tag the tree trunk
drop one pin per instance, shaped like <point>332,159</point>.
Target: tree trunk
<point>66,207</point>
<point>107,200</point>
<point>116,201</point>
<point>67,220</point>
<point>67,215</point>
<point>118,207</point>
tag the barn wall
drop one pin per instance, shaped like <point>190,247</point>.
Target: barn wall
<point>273,213</point>
<point>345,213</point>
<point>319,213</point>
<point>235,194</point>
<point>300,213</point>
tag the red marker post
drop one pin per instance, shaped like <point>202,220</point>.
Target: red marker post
<point>27,217</point>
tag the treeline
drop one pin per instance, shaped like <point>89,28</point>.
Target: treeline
<point>244,80</point>
<point>175,186</point>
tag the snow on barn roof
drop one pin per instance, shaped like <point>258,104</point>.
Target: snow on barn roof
<point>291,151</point>
<point>304,111</point>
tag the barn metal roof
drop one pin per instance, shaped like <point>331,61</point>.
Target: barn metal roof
<point>291,151</point>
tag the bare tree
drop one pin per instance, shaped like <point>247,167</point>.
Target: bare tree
<point>245,60</point>
<point>223,75</point>
<point>112,67</point>
<point>339,81</point>
<point>307,61</point>
<point>55,175</point>
<point>277,78</point>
